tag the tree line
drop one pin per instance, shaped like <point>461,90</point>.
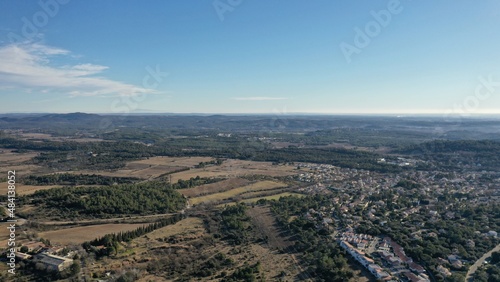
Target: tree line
<point>76,179</point>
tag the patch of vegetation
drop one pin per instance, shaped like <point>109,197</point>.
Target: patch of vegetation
<point>247,273</point>
<point>106,201</point>
<point>324,257</point>
<point>76,179</point>
<point>108,244</point>
<point>195,181</point>
<point>453,155</point>
<point>491,271</point>
<point>234,224</point>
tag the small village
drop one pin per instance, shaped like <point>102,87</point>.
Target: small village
<point>45,257</point>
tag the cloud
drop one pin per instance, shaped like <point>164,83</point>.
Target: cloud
<point>258,98</point>
<point>28,66</point>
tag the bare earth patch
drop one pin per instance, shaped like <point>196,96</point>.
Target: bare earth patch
<point>217,197</point>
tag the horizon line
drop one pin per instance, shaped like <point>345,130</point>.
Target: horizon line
<point>452,115</point>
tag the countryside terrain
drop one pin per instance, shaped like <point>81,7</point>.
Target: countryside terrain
<point>253,202</point>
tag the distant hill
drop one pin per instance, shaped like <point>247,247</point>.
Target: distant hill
<point>325,125</point>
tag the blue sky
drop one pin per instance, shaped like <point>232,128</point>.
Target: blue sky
<point>242,56</point>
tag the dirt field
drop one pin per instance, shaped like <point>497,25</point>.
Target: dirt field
<point>234,168</point>
<point>17,162</point>
<point>22,189</point>
<point>217,197</point>
<point>272,262</point>
<point>211,188</point>
<point>78,235</point>
<point>157,166</point>
<point>152,167</point>
<point>255,199</point>
<point>8,157</point>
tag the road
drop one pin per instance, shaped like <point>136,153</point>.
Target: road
<point>479,262</point>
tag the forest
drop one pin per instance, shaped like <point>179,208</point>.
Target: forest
<point>105,201</point>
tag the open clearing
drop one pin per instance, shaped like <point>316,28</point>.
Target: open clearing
<point>78,235</point>
<point>152,167</point>
<point>22,189</point>
<point>175,161</point>
<point>217,197</point>
<point>8,157</point>
<point>233,168</point>
<point>18,162</point>
<point>254,200</point>
<point>185,226</point>
<point>216,187</point>
<point>157,166</point>
<point>266,224</point>
<point>187,237</point>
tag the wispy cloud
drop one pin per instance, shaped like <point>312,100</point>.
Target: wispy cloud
<point>258,98</point>
<point>28,66</point>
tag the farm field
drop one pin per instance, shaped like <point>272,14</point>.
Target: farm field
<point>18,162</point>
<point>216,187</point>
<point>22,189</point>
<point>152,167</point>
<point>234,168</point>
<point>78,235</point>
<point>9,157</point>
<point>217,197</point>
<point>158,166</point>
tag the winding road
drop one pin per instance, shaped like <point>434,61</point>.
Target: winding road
<point>469,277</point>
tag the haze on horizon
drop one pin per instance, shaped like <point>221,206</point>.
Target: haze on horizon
<point>279,57</point>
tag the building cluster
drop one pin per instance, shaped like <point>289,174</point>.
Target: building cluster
<point>409,197</point>
<point>46,256</point>
<point>367,262</point>
<point>392,262</point>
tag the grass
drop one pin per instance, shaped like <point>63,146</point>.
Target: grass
<point>217,197</point>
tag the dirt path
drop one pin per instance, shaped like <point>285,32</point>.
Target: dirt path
<point>478,263</point>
